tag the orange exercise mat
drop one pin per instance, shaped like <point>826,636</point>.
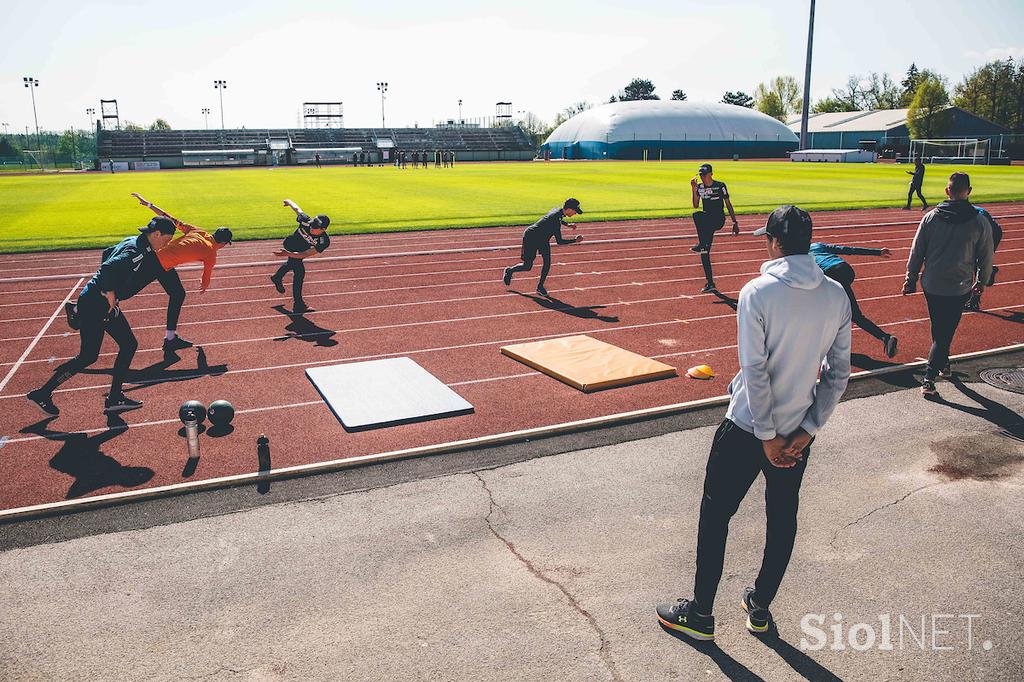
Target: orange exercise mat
<point>588,364</point>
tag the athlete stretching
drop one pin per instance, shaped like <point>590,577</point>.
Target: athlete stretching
<point>710,220</point>
<point>308,239</point>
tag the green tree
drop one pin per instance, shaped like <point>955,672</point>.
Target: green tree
<point>779,97</point>
<point>679,95</point>
<point>68,144</point>
<point>570,111</point>
<point>831,105</point>
<point>132,127</point>
<point>160,124</point>
<point>913,79</point>
<point>739,98</point>
<point>995,92</point>
<point>637,89</point>
<point>927,116</point>
<point>9,147</point>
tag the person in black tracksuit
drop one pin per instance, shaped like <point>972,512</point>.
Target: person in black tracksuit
<point>715,196</point>
<point>126,268</point>
<point>309,239</point>
<point>916,182</point>
<point>837,269</point>
<point>537,239</point>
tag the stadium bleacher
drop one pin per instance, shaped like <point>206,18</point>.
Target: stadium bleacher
<point>272,146</point>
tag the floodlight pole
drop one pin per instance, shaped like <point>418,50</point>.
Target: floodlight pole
<point>382,86</point>
<point>206,116</point>
<point>807,81</point>
<point>220,85</point>
<point>460,112</point>
<point>31,83</point>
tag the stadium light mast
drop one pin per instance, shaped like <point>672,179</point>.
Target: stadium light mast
<point>89,113</point>
<point>383,87</point>
<point>807,82</point>
<point>460,111</point>
<point>205,111</point>
<point>220,86</point>
<point>5,125</point>
<point>31,83</point>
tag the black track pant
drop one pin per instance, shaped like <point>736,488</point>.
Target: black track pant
<point>92,311</point>
<point>531,248</point>
<point>910,195</point>
<point>736,459</point>
<point>707,224</point>
<point>296,266</point>
<point>945,313</point>
<point>844,274</point>
<point>171,283</point>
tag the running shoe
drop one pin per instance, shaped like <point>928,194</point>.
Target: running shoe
<point>708,288</point>
<point>946,372</point>
<point>542,291</point>
<point>44,401</point>
<point>928,391</point>
<point>507,277</point>
<point>699,248</point>
<point>300,307</point>
<point>682,617</point>
<point>992,277</point>
<point>175,344</point>
<point>973,304</point>
<point>759,620</point>
<point>890,345</point>
<point>71,310</point>
<point>120,403</point>
<point>278,284</point>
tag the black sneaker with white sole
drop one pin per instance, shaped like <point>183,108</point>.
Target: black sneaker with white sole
<point>946,372</point>
<point>708,288</point>
<point>699,248</point>
<point>681,616</point>
<point>278,284</point>
<point>542,291</point>
<point>177,343</point>
<point>71,310</point>
<point>507,277</point>
<point>928,390</point>
<point>120,403</point>
<point>759,620</point>
<point>44,401</point>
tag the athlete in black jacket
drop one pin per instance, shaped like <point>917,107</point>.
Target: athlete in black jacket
<point>537,239</point>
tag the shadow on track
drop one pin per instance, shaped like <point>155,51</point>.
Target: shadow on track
<point>302,328</point>
<point>80,457</point>
<point>159,372</point>
<point>726,299</point>
<point>1011,423</point>
<point>729,666</point>
<point>583,312</point>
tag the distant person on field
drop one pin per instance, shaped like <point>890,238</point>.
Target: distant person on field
<point>437,158</point>
<point>316,158</point>
<point>124,271</point>
<point>916,182</point>
<point>715,196</point>
<point>111,163</point>
<point>954,245</point>
<point>974,302</point>
<point>835,268</point>
<point>793,325</point>
<point>537,239</point>
<point>309,239</point>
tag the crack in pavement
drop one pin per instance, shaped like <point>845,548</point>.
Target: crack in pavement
<point>835,536</point>
<point>604,650</point>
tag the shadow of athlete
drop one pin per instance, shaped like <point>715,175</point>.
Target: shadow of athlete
<point>302,328</point>
<point>158,372</point>
<point>80,457</point>
<point>588,312</point>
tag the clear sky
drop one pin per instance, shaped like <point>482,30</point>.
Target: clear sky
<point>160,59</point>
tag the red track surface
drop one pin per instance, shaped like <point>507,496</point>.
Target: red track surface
<point>448,311</point>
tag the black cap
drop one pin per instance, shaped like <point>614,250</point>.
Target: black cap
<point>222,235</point>
<point>574,204</point>
<point>789,224</point>
<point>704,169</point>
<point>321,221</point>
<point>161,225</point>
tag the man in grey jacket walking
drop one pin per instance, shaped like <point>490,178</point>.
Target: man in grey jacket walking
<point>954,245</point>
<point>793,321</point>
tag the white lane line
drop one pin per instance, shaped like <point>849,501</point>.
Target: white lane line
<point>60,308</point>
<point>430,252</point>
<point>437,449</point>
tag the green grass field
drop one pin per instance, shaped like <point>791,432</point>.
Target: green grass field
<point>92,209</point>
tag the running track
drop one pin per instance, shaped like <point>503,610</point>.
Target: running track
<point>435,297</point>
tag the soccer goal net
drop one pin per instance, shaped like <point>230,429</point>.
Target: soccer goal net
<point>962,150</point>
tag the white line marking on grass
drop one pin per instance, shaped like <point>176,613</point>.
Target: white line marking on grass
<point>439,448</point>
<point>60,308</point>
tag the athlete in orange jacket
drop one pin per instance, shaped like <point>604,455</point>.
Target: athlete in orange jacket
<point>193,245</point>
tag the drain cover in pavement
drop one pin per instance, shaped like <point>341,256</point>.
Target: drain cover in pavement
<point>1006,378</point>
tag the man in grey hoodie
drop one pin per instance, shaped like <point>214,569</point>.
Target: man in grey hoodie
<point>954,245</point>
<point>793,322</point>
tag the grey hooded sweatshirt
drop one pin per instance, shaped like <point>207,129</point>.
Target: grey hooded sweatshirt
<point>792,322</point>
<point>953,243</point>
